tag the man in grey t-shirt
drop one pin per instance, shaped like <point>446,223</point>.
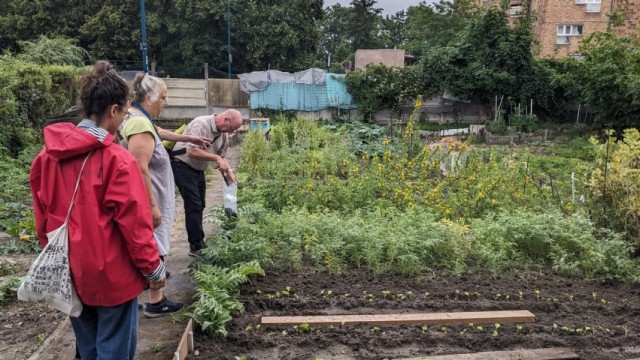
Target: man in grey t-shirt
<point>188,167</point>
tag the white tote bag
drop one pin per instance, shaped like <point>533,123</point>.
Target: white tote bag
<point>49,278</point>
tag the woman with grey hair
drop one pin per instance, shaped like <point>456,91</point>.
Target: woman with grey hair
<point>144,140</point>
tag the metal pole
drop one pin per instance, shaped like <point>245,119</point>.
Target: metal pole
<point>143,44</point>
<point>573,188</point>
<point>230,59</point>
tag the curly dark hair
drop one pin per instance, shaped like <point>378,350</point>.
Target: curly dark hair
<point>101,88</point>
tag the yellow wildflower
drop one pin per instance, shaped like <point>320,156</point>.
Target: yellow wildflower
<point>418,102</point>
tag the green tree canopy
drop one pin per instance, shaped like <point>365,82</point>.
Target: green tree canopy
<point>429,26</point>
<point>609,76</point>
<point>364,25</point>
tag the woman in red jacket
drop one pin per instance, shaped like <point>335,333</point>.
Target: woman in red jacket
<point>112,252</point>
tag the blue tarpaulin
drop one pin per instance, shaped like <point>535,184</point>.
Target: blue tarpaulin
<point>304,97</point>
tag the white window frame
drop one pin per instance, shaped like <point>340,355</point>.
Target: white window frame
<point>564,33</point>
<point>593,6</point>
<point>581,2</point>
<point>514,10</point>
<point>569,30</point>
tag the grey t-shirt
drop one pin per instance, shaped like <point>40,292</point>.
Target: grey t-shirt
<point>203,126</point>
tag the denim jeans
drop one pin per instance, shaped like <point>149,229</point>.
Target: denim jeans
<point>192,187</point>
<point>107,332</point>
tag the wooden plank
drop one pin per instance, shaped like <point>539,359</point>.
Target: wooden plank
<point>186,102</point>
<point>484,317</point>
<point>186,93</point>
<point>184,347</point>
<point>189,83</point>
<point>526,354</point>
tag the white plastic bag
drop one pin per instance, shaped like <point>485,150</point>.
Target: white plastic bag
<point>230,198</point>
<point>49,278</point>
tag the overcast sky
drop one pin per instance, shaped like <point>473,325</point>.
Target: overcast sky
<point>389,7</point>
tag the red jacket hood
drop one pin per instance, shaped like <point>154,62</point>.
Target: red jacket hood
<point>65,140</point>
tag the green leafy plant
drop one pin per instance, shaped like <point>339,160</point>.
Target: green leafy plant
<point>217,294</point>
<point>156,348</point>
<point>8,288</point>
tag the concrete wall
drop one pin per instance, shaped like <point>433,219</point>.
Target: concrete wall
<point>440,110</point>
<point>387,57</point>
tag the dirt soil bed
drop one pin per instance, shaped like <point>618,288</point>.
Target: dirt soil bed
<point>23,326</point>
<point>597,320</point>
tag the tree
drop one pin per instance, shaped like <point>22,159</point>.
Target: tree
<point>394,32</point>
<point>610,79</point>
<point>429,26</point>
<point>28,19</point>
<point>202,39</point>
<point>277,34</point>
<point>183,34</point>
<point>490,58</point>
<point>112,30</point>
<point>364,25</point>
<point>335,33</point>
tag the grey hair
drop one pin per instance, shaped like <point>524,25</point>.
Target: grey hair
<point>144,85</point>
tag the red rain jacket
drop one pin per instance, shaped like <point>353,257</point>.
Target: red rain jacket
<point>111,241</point>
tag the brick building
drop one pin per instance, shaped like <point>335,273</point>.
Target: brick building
<point>562,24</point>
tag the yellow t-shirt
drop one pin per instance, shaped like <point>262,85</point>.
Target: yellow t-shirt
<point>137,125</point>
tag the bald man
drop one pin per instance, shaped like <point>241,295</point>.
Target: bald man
<point>190,165</point>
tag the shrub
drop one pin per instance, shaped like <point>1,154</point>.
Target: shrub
<point>56,51</point>
<point>29,94</point>
<point>572,246</point>
<point>616,182</point>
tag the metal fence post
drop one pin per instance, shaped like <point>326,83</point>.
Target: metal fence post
<point>206,86</point>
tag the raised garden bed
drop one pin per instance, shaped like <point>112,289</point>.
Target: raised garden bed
<point>597,320</point>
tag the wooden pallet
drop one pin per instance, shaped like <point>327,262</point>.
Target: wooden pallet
<point>484,317</point>
<point>524,354</point>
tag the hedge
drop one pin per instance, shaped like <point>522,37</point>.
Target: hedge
<point>29,94</point>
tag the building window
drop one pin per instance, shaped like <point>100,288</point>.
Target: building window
<point>515,9</point>
<point>566,31</point>
<point>570,30</point>
<point>593,6</point>
<point>580,2</point>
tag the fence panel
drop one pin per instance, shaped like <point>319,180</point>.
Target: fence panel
<point>186,92</point>
<point>227,93</point>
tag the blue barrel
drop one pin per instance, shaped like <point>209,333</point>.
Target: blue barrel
<point>261,124</point>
